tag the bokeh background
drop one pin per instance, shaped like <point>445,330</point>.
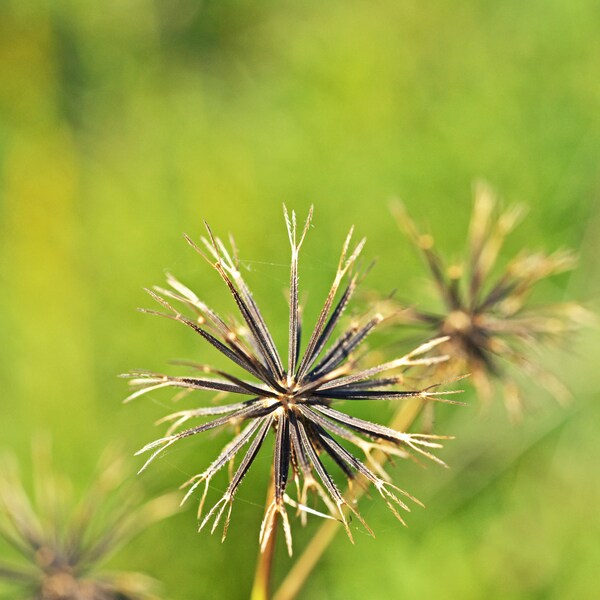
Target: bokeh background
<point>125,123</point>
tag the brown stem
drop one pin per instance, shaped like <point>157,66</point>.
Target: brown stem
<point>299,573</point>
<point>261,588</point>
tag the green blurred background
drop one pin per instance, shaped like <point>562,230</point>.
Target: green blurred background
<point>125,123</point>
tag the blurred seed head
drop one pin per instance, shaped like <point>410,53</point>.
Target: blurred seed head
<point>61,540</point>
<point>293,401</point>
<point>492,326</point>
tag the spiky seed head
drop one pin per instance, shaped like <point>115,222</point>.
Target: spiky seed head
<point>291,397</point>
<point>62,541</point>
<point>486,314</point>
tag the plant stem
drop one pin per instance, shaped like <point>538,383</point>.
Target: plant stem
<point>261,588</point>
<point>303,567</point>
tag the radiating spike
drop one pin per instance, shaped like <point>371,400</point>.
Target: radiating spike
<point>405,361</point>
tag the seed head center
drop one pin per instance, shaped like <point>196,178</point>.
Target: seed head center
<point>290,398</point>
<point>458,321</point>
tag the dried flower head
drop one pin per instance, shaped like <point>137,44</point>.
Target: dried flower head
<point>294,401</point>
<point>485,314</point>
<point>62,541</point>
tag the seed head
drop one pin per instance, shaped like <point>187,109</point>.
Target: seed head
<point>485,314</point>
<point>62,542</point>
<point>293,400</point>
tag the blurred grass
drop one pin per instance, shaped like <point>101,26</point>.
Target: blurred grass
<point>123,124</point>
